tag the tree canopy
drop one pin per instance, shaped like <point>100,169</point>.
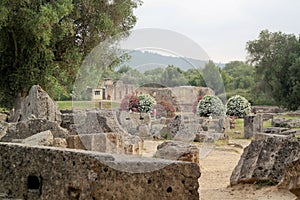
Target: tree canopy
<point>43,42</point>
<point>276,57</point>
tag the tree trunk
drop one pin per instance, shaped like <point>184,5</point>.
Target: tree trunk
<point>18,106</point>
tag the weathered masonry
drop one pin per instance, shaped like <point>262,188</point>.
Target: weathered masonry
<point>28,172</point>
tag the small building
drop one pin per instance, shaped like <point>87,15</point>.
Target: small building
<point>98,94</point>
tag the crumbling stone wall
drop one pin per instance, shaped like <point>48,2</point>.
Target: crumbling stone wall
<point>52,173</point>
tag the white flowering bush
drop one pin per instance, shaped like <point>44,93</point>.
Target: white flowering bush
<point>238,106</point>
<point>211,106</point>
<point>146,103</point>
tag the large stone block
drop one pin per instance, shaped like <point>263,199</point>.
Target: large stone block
<point>252,124</point>
<point>41,139</point>
<point>176,150</point>
<point>291,178</point>
<point>265,160</point>
<point>38,104</point>
<point>103,127</point>
<point>133,122</point>
<point>3,128</point>
<point>287,123</point>
<point>53,173</point>
<point>25,129</point>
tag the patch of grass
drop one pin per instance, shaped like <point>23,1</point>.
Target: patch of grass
<point>221,142</point>
<point>267,124</point>
<point>263,183</point>
<point>239,122</point>
<point>287,116</point>
<point>239,127</point>
<point>69,105</point>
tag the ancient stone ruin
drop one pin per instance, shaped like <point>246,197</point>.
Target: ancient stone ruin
<point>266,160</point>
<point>53,173</point>
<point>253,124</point>
<point>38,104</point>
<point>82,155</point>
<point>176,150</point>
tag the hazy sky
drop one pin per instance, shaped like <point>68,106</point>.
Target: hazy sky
<point>221,27</point>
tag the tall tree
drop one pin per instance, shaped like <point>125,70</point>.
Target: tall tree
<point>212,77</point>
<point>240,75</point>
<point>173,76</point>
<point>276,57</point>
<point>194,77</point>
<point>42,40</point>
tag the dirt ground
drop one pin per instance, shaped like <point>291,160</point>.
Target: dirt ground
<point>216,169</point>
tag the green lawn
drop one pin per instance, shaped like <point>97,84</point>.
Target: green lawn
<point>81,105</point>
<point>287,117</point>
<point>239,126</point>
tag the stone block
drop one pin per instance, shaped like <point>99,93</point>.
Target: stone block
<point>291,178</point>
<point>60,142</point>
<point>252,124</point>
<point>24,129</point>
<point>265,160</point>
<point>40,139</point>
<point>38,104</point>
<point>176,150</point>
<point>53,173</point>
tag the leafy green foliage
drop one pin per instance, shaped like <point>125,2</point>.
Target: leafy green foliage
<point>212,77</point>
<point>211,105</point>
<point>238,106</point>
<point>238,75</point>
<point>277,65</point>
<point>173,76</point>
<point>44,42</point>
<point>194,77</point>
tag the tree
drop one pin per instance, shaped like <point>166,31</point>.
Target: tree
<point>42,41</point>
<point>173,76</point>
<point>241,75</point>
<point>276,58</point>
<point>213,79</point>
<point>194,77</point>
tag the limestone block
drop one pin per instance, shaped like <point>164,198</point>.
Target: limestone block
<point>133,145</point>
<point>38,104</point>
<point>252,124</point>
<point>287,123</point>
<point>291,178</point>
<point>55,173</point>
<point>264,136</point>
<point>74,142</point>
<point>3,128</point>
<point>60,142</point>
<point>132,122</point>
<point>176,150</point>
<point>44,138</point>
<point>265,160</point>
<point>24,129</point>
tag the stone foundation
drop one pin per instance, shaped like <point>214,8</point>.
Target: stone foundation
<point>53,173</point>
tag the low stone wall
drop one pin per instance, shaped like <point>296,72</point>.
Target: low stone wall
<point>53,173</point>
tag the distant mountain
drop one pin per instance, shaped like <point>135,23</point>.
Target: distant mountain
<point>145,60</point>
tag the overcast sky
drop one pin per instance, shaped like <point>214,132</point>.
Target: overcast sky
<point>221,27</point>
